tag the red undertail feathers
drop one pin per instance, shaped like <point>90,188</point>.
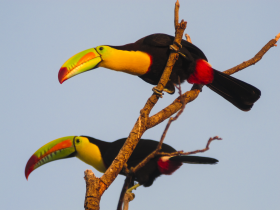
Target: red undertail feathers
<point>203,73</point>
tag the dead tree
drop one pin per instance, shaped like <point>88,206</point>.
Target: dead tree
<point>95,187</point>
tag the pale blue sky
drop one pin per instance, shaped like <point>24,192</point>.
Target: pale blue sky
<point>37,37</point>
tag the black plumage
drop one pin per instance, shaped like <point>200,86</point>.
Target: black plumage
<point>239,93</point>
<point>147,174</point>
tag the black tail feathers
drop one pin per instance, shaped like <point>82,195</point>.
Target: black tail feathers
<point>194,159</point>
<point>239,93</point>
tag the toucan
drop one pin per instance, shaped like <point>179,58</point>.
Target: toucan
<point>100,155</point>
<point>147,57</point>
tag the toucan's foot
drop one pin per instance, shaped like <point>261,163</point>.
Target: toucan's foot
<point>158,92</point>
<point>172,47</point>
<point>169,91</point>
<point>178,44</point>
<point>133,188</point>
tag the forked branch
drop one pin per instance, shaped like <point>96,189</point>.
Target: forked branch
<point>155,153</point>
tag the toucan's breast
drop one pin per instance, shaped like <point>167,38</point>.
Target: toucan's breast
<point>132,62</point>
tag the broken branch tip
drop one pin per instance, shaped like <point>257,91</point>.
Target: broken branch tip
<point>277,37</point>
<point>217,138</point>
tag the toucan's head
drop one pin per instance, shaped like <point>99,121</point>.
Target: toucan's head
<point>81,62</point>
<point>66,147</point>
<point>131,62</point>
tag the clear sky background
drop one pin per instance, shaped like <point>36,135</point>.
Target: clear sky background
<point>37,37</point>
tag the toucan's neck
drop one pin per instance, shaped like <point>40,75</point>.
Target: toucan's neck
<point>131,62</point>
<point>91,153</point>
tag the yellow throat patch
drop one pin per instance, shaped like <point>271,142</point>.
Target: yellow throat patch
<point>131,62</point>
<point>90,154</point>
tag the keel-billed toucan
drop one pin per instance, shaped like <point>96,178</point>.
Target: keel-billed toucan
<point>147,58</point>
<point>100,155</point>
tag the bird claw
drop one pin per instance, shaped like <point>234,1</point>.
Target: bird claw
<point>133,188</point>
<point>173,48</point>
<point>178,44</point>
<point>158,92</point>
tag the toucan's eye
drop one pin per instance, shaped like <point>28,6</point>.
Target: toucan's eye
<point>101,48</point>
<point>78,141</point>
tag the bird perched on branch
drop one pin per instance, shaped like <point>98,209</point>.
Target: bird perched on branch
<point>100,155</point>
<point>147,58</point>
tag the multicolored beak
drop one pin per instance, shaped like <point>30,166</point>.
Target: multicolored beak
<point>54,150</point>
<point>79,63</point>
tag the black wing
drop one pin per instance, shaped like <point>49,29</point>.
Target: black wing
<point>164,40</point>
<point>142,150</point>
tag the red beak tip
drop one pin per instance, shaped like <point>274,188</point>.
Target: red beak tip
<point>61,74</point>
<point>27,174</point>
<point>30,165</point>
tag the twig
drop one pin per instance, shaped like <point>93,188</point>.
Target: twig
<point>188,38</point>
<point>192,152</point>
<point>176,14</point>
<point>255,59</point>
<point>277,38</point>
<point>126,170</point>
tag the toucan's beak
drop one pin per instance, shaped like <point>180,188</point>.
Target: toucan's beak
<point>54,150</point>
<point>79,63</point>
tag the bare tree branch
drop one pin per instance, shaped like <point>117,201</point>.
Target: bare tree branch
<point>93,191</point>
<point>154,120</point>
<point>255,59</point>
